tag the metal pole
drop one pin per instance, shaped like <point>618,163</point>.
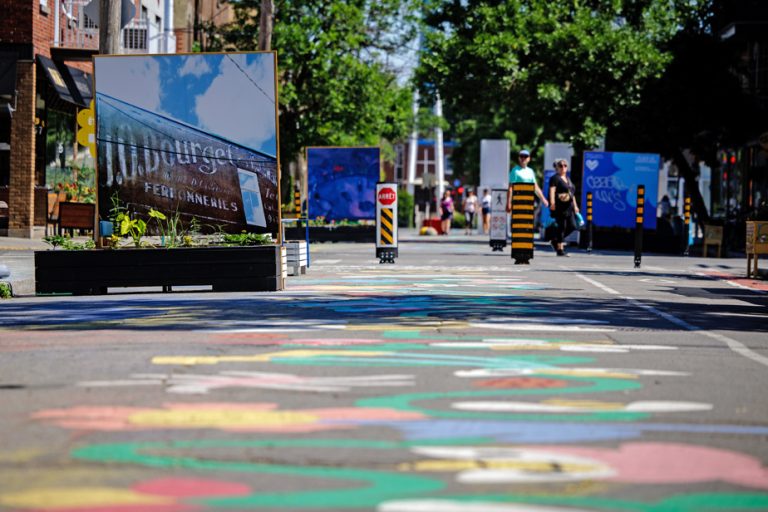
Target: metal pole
<point>439,161</point>
<point>589,222</point>
<point>413,146</point>
<point>639,224</point>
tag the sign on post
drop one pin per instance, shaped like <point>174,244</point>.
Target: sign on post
<point>498,229</point>
<point>386,222</point>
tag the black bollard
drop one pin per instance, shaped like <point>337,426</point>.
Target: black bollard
<point>686,225</point>
<point>589,222</point>
<point>639,224</point>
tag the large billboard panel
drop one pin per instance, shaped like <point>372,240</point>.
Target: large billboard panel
<point>613,179</point>
<point>341,182</point>
<point>194,134</point>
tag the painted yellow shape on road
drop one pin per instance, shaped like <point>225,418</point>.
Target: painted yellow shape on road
<point>260,358</point>
<point>586,404</point>
<point>70,497</point>
<point>491,464</point>
<point>220,418</point>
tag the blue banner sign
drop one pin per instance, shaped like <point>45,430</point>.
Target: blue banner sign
<point>613,179</point>
<point>342,182</point>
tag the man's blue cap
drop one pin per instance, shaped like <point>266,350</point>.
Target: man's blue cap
<point>524,152</point>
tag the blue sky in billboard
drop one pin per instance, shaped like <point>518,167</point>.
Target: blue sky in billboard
<point>231,95</point>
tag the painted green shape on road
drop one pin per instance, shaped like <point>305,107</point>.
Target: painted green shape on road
<point>381,485</point>
<point>405,402</point>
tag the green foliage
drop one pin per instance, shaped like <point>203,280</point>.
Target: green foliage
<point>68,244</point>
<point>405,204</point>
<point>544,69</point>
<point>134,227</point>
<point>54,240</point>
<point>171,231</point>
<point>5,291</point>
<point>459,220</point>
<point>335,85</point>
<point>245,238</point>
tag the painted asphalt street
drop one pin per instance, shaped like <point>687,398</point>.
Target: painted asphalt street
<point>452,380</point>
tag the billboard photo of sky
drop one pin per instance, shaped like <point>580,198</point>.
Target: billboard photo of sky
<point>341,182</point>
<point>191,133</point>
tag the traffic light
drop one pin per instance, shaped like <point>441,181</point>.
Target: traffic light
<point>460,190</point>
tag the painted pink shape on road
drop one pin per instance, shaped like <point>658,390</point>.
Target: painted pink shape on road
<point>667,463</point>
<point>191,488</point>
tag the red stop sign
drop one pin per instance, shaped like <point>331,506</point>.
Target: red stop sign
<point>387,196</point>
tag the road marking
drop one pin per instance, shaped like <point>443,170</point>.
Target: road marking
<point>735,346</point>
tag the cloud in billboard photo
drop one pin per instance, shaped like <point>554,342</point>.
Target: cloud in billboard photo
<point>206,91</point>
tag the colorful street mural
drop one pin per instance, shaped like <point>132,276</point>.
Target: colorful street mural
<point>452,397</point>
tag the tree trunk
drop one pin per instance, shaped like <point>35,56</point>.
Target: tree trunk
<point>109,26</point>
<point>266,16</point>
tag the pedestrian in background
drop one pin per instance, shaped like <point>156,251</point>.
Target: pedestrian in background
<point>521,173</point>
<point>446,212</point>
<point>470,207</point>
<point>562,205</point>
<point>486,204</point>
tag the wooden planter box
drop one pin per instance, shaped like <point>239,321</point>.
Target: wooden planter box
<point>91,272</point>
<point>359,234</point>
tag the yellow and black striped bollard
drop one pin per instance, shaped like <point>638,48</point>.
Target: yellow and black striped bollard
<point>589,221</point>
<point>522,222</point>
<point>640,210</point>
<point>386,222</point>
<point>686,225</point>
<point>297,202</point>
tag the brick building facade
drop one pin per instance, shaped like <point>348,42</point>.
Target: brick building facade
<point>46,48</point>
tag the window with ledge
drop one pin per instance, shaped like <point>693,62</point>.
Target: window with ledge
<point>135,38</point>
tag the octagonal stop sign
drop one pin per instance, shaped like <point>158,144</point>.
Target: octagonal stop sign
<point>387,196</point>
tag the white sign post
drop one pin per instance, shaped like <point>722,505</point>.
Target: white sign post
<point>498,231</point>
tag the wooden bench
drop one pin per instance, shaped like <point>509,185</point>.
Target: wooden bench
<point>757,243</point>
<point>76,216</point>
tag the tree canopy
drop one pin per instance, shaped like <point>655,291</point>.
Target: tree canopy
<point>538,70</point>
<point>335,84</point>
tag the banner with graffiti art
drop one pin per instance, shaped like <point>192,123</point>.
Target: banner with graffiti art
<point>613,179</point>
<point>194,134</point>
<point>341,182</point>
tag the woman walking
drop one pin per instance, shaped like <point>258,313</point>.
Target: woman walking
<point>562,204</point>
<point>446,212</point>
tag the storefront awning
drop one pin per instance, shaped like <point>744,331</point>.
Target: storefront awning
<point>71,84</point>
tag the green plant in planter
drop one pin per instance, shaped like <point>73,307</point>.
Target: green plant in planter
<point>55,240</point>
<point>171,233</point>
<point>5,291</point>
<point>68,244</point>
<point>136,228</point>
<point>246,238</point>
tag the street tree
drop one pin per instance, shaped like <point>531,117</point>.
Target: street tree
<point>336,83</point>
<point>538,70</point>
